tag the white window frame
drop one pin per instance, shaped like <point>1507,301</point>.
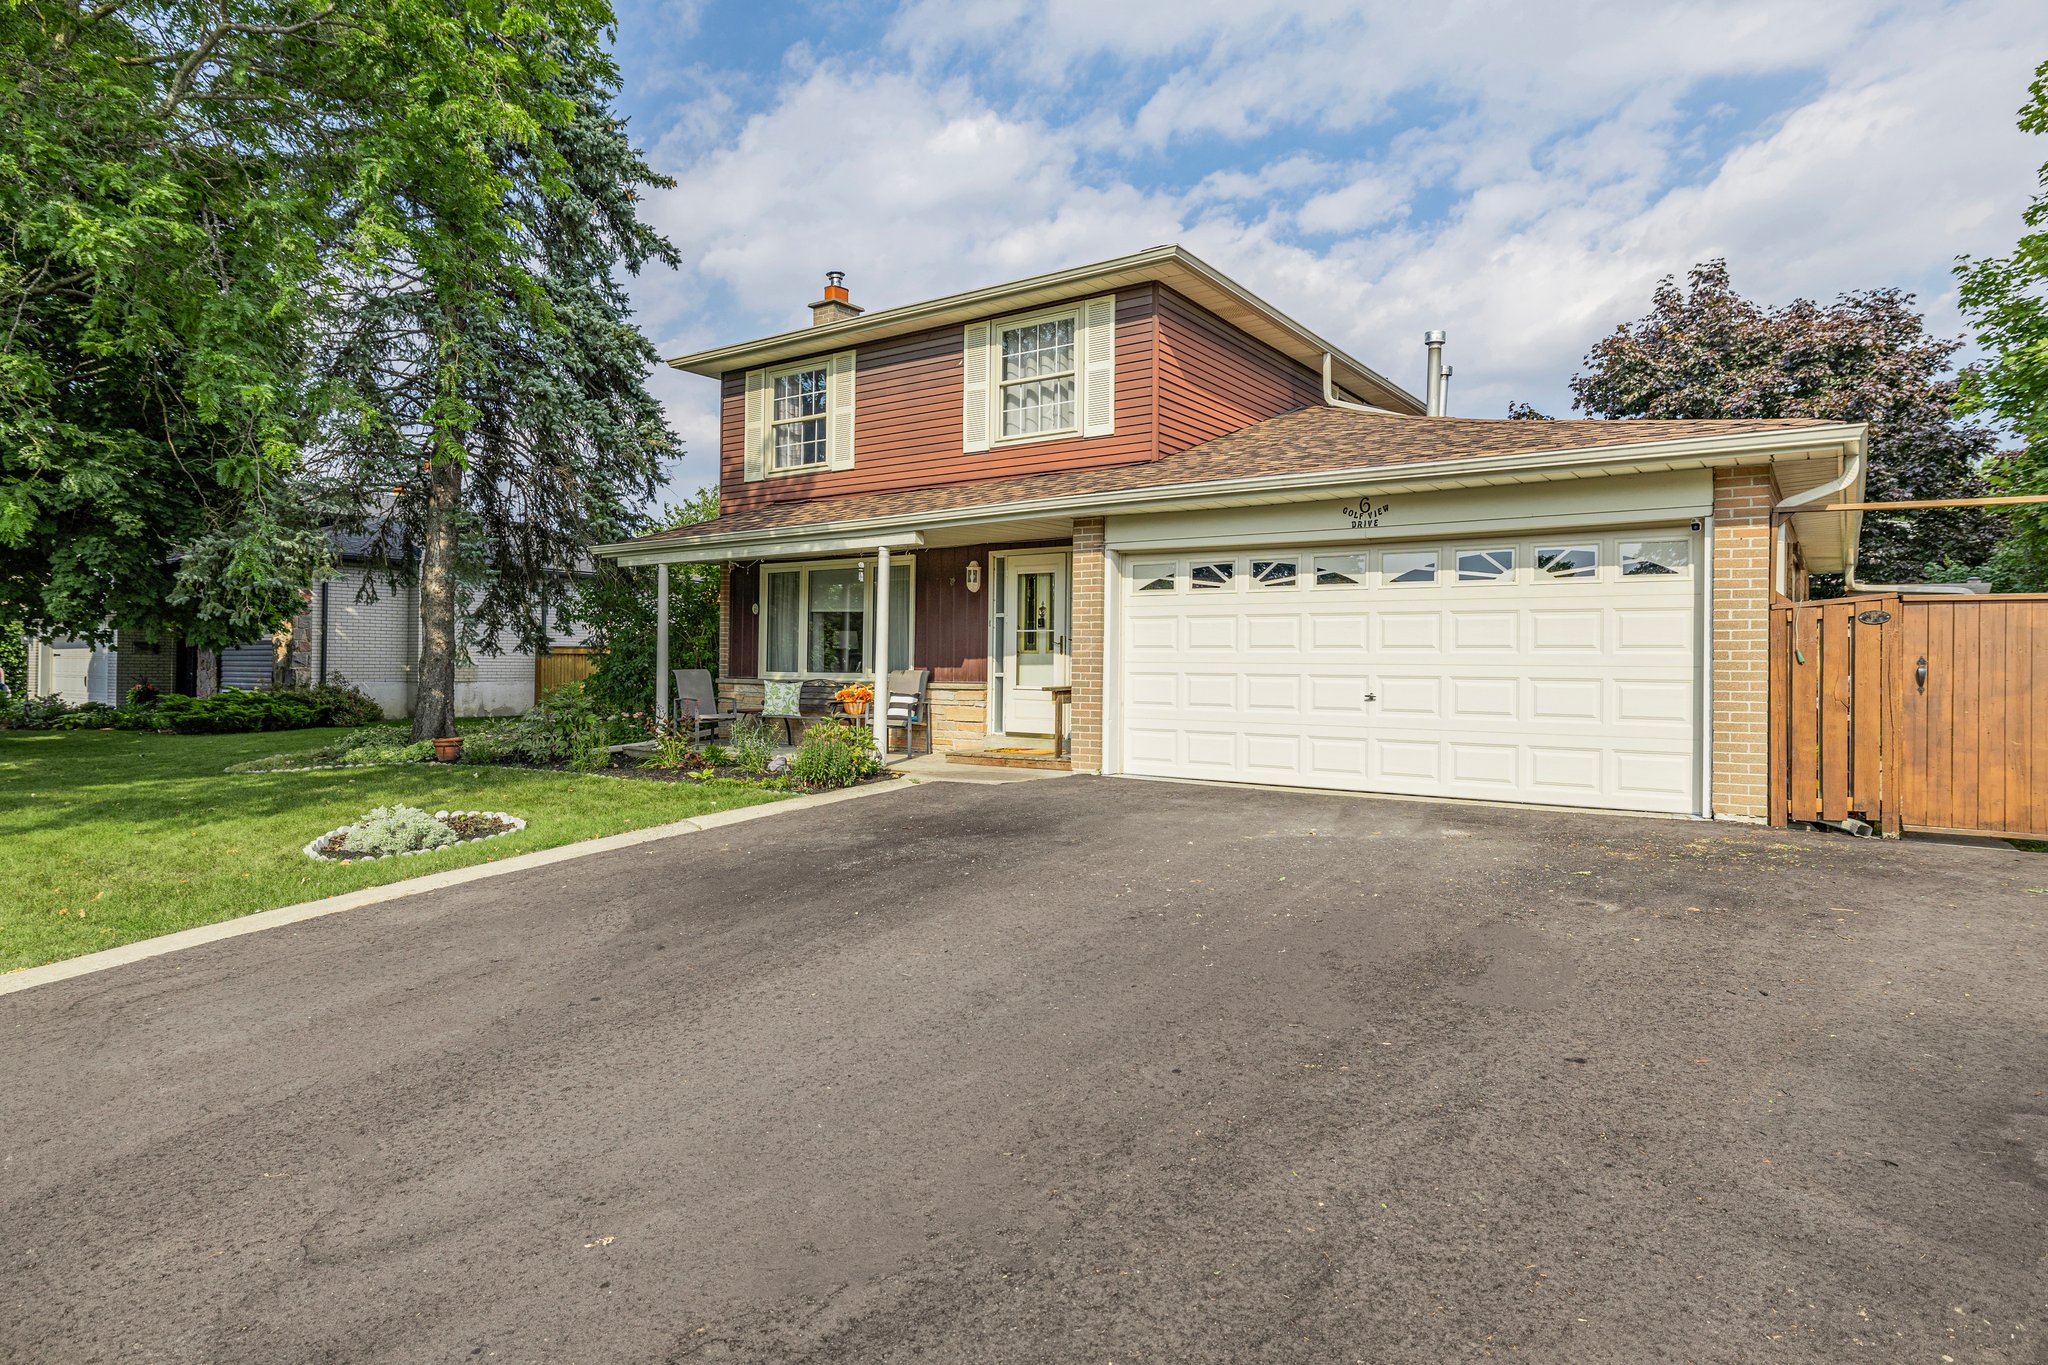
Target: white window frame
<point>1512,549</point>
<point>905,565</point>
<point>822,365</point>
<point>996,384</point>
<point>1539,574</point>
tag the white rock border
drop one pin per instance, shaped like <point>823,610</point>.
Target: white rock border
<point>315,850</point>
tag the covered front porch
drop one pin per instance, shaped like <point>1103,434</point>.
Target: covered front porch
<point>979,620</point>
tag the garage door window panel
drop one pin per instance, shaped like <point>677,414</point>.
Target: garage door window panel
<point>1340,571</point>
<point>1655,558</point>
<point>1216,575</point>
<point>1159,577</point>
<point>1567,562</point>
<point>1275,573</point>
<point>1406,568</point>
<point>1491,565</point>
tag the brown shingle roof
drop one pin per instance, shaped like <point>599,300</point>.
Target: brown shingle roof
<point>1302,442</point>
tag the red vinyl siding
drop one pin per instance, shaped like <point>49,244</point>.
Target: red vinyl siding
<point>1213,379</point>
<point>907,404</point>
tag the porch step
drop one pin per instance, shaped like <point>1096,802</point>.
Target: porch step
<point>1011,756</point>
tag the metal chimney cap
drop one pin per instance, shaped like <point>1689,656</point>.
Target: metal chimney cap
<point>835,277</point>
<point>1433,337</point>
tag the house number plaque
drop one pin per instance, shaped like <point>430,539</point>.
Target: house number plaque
<point>1365,513</point>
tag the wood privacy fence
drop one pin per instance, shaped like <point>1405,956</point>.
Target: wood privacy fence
<point>1912,712</point>
<point>560,666</point>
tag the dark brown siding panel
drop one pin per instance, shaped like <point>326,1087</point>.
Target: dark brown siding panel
<point>1213,379</point>
<point>952,623</point>
<point>907,398</point>
<point>743,630</point>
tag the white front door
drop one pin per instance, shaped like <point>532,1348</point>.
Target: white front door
<point>1035,640</point>
<point>1561,668</point>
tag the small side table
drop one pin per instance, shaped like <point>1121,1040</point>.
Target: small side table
<point>1062,698</point>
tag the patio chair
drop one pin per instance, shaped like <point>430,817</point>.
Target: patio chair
<point>696,704</point>
<point>790,702</point>
<point>908,707</point>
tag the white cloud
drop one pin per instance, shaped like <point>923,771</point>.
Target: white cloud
<point>1519,175</point>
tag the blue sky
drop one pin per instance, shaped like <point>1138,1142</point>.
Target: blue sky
<point>1520,175</point>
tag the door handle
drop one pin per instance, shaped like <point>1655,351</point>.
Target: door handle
<point>1920,673</point>
<point>1372,696</point>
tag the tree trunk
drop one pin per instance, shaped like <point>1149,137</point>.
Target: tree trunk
<point>206,675</point>
<point>433,712</point>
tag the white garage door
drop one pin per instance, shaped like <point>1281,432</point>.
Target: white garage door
<point>1557,669</point>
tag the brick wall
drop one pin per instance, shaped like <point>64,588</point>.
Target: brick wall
<point>1742,597</point>
<point>1090,578</point>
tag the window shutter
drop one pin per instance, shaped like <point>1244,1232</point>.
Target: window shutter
<point>1098,366</point>
<point>839,398</point>
<point>755,448</point>
<point>974,413</point>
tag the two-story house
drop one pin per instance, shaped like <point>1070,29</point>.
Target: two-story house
<point>1249,556</point>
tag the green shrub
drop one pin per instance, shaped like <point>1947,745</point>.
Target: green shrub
<point>340,702</point>
<point>717,756</point>
<point>91,715</point>
<point>35,713</point>
<point>752,744</point>
<point>673,749</point>
<point>396,829</point>
<point>834,753</point>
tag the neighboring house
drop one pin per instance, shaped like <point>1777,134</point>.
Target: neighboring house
<point>1250,557</point>
<point>373,645</point>
<point>80,672</point>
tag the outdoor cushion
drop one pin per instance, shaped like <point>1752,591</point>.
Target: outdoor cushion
<point>901,704</point>
<point>780,698</point>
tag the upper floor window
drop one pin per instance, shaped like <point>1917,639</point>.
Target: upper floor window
<point>799,418</point>
<point>801,402</point>
<point>1040,376</point>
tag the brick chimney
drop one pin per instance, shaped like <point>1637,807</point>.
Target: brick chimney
<point>835,306</point>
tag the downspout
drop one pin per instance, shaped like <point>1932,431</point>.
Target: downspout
<point>1852,473</point>
<point>325,584</point>
<point>1331,399</point>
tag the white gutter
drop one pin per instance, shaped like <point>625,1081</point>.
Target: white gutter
<point>1330,393</point>
<point>1695,451</point>
<point>1850,477</point>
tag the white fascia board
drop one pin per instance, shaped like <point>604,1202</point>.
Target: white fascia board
<point>1691,452</point>
<point>799,540</point>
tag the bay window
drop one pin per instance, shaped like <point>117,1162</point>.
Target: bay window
<point>815,618</point>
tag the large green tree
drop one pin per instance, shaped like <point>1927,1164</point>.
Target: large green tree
<point>2007,299</point>
<point>495,419</point>
<point>1705,351</point>
<point>157,237</point>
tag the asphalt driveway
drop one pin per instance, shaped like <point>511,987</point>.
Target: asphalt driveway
<point>1075,1070</point>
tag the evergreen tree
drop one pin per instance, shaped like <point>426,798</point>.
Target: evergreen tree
<point>496,419</point>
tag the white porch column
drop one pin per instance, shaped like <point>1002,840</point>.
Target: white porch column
<point>880,707</point>
<point>661,643</point>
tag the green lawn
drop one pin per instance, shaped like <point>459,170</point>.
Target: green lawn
<point>107,837</point>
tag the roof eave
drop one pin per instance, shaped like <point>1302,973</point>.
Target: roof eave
<point>1695,452</point>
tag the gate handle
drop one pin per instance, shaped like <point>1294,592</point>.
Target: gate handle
<point>1920,673</point>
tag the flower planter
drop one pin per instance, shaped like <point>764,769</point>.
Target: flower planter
<point>448,750</point>
<point>856,708</point>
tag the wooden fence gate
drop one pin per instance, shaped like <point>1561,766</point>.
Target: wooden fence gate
<point>558,666</point>
<point>1925,712</point>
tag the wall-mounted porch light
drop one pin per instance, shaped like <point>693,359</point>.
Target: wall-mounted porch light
<point>974,577</point>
